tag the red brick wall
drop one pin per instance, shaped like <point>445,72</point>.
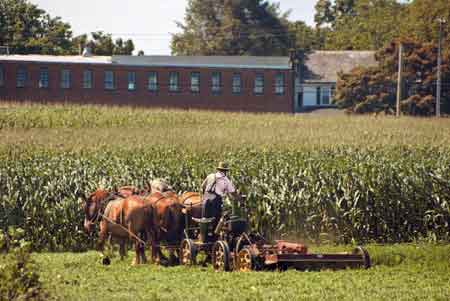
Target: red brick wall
<point>226,100</point>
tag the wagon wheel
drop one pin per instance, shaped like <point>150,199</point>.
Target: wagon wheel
<point>188,252</point>
<point>221,256</point>
<point>364,254</point>
<point>246,260</point>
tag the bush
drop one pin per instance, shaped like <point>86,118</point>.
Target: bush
<point>19,279</point>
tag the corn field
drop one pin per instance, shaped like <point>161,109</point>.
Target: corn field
<point>395,190</point>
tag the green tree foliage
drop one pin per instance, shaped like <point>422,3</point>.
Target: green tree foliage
<point>103,44</point>
<point>232,27</point>
<point>324,13</point>
<point>359,25</point>
<point>27,29</point>
<point>374,89</point>
<point>305,37</point>
<point>421,22</point>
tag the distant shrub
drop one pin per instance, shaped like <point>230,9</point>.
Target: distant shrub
<point>19,279</point>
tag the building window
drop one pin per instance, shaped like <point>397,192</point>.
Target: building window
<point>2,77</point>
<point>109,80</point>
<point>195,82</point>
<point>216,82</point>
<point>131,81</point>
<point>279,84</point>
<point>43,78</point>
<point>237,83</point>
<point>65,79</point>
<point>87,79</point>
<point>259,84</point>
<point>309,96</point>
<point>21,77</point>
<point>325,95</point>
<point>153,81</point>
<point>173,82</point>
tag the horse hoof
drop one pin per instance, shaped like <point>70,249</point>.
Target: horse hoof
<point>106,261</point>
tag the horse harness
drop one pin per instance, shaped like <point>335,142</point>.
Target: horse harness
<point>103,205</point>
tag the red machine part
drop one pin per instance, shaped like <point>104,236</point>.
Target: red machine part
<point>285,247</point>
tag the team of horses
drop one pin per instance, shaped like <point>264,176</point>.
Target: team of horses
<point>154,217</point>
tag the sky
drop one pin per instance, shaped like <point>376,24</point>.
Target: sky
<point>147,23</point>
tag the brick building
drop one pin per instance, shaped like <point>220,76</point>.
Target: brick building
<point>230,83</point>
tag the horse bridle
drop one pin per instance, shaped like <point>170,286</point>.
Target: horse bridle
<point>103,204</point>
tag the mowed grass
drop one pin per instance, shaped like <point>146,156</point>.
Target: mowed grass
<point>400,272</point>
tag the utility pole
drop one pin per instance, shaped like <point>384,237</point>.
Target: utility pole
<point>399,80</point>
<point>439,62</point>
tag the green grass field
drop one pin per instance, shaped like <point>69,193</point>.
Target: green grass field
<point>400,272</point>
<point>325,179</point>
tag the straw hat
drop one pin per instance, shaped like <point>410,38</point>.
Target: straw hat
<point>223,166</point>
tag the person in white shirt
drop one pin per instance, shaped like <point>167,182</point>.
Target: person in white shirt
<point>215,187</point>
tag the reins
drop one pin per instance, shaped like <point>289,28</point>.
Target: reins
<point>123,228</point>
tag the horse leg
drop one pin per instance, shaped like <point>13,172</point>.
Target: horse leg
<point>142,247</point>
<point>155,258</point>
<point>122,250</point>
<point>102,236</point>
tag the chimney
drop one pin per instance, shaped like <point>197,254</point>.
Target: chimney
<point>87,51</point>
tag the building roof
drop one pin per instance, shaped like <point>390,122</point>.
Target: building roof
<point>319,66</point>
<point>73,59</point>
<point>324,66</point>
<point>253,62</point>
<point>257,62</point>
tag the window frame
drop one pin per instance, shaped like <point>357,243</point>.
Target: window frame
<point>109,83</point>
<point>280,85</point>
<point>150,84</point>
<point>325,91</point>
<point>21,82</point>
<point>43,81</point>
<point>256,86</point>
<point>66,78</point>
<point>234,85</point>
<point>216,88</point>
<point>133,82</point>
<point>90,81</point>
<point>174,87</point>
<point>195,74</point>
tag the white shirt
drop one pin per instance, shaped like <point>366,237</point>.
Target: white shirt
<point>223,184</point>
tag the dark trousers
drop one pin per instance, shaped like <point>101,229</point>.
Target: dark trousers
<point>212,206</point>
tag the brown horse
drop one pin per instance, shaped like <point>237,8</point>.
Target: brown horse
<point>192,201</point>
<point>123,218</point>
<point>167,223</point>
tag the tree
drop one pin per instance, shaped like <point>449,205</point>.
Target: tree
<point>103,44</point>
<point>232,27</point>
<point>422,18</point>
<point>374,89</point>
<point>359,25</point>
<point>329,14</point>
<point>27,29</point>
<point>324,13</point>
<point>123,48</point>
<point>305,37</point>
